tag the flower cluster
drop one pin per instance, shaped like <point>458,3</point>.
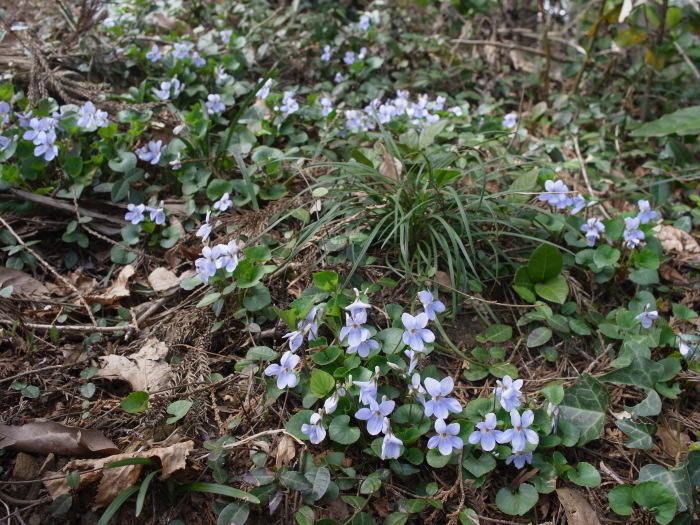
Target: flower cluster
<point>151,152</point>
<point>42,133</point>
<point>169,89</point>
<point>221,256</point>
<point>559,196</point>
<point>135,213</point>
<point>92,118</point>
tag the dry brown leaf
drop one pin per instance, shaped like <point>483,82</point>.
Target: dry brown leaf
<point>391,167</point>
<point>23,284</point>
<point>669,443</point>
<point>48,437</point>
<point>285,452</point>
<point>162,279</point>
<point>578,510</point>
<point>84,284</point>
<point>118,290</point>
<point>146,370</point>
<point>113,481</point>
<point>676,241</point>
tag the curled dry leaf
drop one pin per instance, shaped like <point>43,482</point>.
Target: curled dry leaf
<point>676,241</point>
<point>118,290</point>
<point>578,510</point>
<point>113,481</point>
<point>23,284</point>
<point>391,166</point>
<point>48,437</point>
<point>163,280</point>
<point>285,451</point>
<point>146,370</point>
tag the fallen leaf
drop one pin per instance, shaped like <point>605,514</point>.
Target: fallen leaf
<point>118,290</point>
<point>676,241</point>
<point>23,284</point>
<point>48,437</point>
<point>669,443</point>
<point>391,166</point>
<point>285,451</point>
<point>146,370</point>
<point>113,481</point>
<point>84,284</point>
<point>578,510</point>
<point>162,279</point>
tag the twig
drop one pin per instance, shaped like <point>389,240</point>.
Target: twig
<point>55,203</point>
<point>30,372</point>
<point>261,434</point>
<point>514,47</point>
<point>68,327</point>
<point>51,269</point>
<point>584,172</point>
<point>682,53</point>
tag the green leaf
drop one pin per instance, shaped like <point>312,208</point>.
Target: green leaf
<point>131,461</point>
<point>683,313</point>
<point>396,518</point>
<point>682,122</point>
<point>321,383</point>
<point>320,479</point>
<point>554,289</point>
<point>215,488</point>
<point>178,409</point>
<point>657,498</point>
<point>327,280</point>
<point>499,333</point>
<point>73,166</point>
<point>584,406</point>
<point>294,424</point>
<point>641,372</point>
<point>676,479</point>
<point>372,483</point>
<point>647,259</point>
<point>585,475</point>
<point>124,163</point>
<point>639,434</point>
<point>209,299</point>
<point>261,353</point>
<point>606,255</point>
<point>143,490</point>
<point>651,406</point>
<point>257,298</point>
<point>539,336</point>
<point>73,479</point>
<point>61,505</point>
<point>362,518</point>
<point>621,499</point>
<point>258,254</point>
<point>235,513</point>
<point>479,466</point>
<point>435,459</point>
<point>135,402</point>
<point>305,516</point>
<point>545,262</point>
<point>517,503</point>
<point>554,391</point>
<point>341,432</point>
<point>116,504</point>
<point>644,276</point>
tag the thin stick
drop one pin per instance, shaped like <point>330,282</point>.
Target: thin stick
<point>584,172</point>
<point>261,434</point>
<point>29,372</point>
<point>68,327</point>
<point>514,47</point>
<point>682,53</point>
<point>51,269</point>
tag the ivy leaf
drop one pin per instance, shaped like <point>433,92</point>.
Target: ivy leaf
<point>519,502</point>
<point>584,407</point>
<point>641,372</point>
<point>639,434</point>
<point>676,479</point>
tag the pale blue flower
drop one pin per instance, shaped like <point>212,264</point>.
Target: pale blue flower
<point>592,228</point>
<point>446,438</point>
<point>519,458</point>
<point>456,111</point>
<point>5,143</point>
<point>151,152</point>
<point>24,118</point>
<point>362,54</point>
<point>181,51</point>
<point>354,331</point>
<point>229,256</point>
<point>157,215</point>
<point>92,118</point>
<point>487,435</point>
<point>416,334</point>
<point>364,348</point>
<point>507,393</point>
<point>391,446</point>
<point>364,23</point>
<point>326,55</point>
<point>135,213</point>
<point>289,105</point>
<point>358,309</point>
<point>368,389</point>
<point>214,104</point>
<point>439,103</point>
<point>314,429</point>
<point>264,90</point>
<point>349,58</point>
<point>197,59</point>
<point>510,120</point>
<point>647,318</point>
<point>331,403</point>
<point>646,214</point>
<point>224,203</point>
<point>430,304</point>
<point>578,204</point>
<point>338,78</point>
<point>207,264</point>
<point>154,54</point>
<point>557,194</point>
<point>285,370</point>
<point>225,36</point>
<point>412,359</point>
<point>221,75</point>
<point>520,435</point>
<point>375,415</point>
<point>632,235</point>
<point>4,112</point>
<point>205,228</point>
<point>327,106</point>
<point>440,405</point>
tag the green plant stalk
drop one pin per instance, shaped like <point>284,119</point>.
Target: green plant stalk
<point>116,504</point>
<point>650,77</point>
<point>589,49</point>
<point>248,183</point>
<point>141,498</point>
